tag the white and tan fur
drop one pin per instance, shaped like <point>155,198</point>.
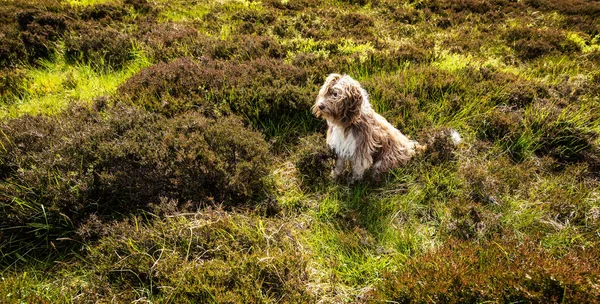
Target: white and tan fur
<point>356,133</point>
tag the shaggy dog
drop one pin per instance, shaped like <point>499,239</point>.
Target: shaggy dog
<point>356,133</point>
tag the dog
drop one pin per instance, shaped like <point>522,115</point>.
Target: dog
<point>356,133</point>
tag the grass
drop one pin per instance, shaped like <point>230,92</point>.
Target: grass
<point>51,87</point>
<point>510,215</point>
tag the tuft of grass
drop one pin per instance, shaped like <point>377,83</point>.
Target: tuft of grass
<point>50,88</point>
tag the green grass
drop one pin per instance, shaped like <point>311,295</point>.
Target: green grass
<point>51,87</point>
<point>510,215</point>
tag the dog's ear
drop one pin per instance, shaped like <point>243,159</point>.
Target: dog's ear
<point>352,104</point>
<point>332,79</point>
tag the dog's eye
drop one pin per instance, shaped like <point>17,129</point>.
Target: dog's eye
<point>334,94</point>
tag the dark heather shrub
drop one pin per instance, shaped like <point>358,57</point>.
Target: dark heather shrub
<point>314,160</point>
<point>142,6</point>
<point>246,47</point>
<point>355,25</point>
<point>252,21</point>
<point>568,7</point>
<point>39,31</point>
<point>105,13</point>
<point>266,88</point>
<point>291,5</point>
<point>261,89</point>
<point>440,147</point>
<point>501,123</point>
<point>57,171</point>
<point>168,40</point>
<point>530,43</point>
<point>12,50</point>
<point>500,270</point>
<point>101,47</point>
<point>173,87</point>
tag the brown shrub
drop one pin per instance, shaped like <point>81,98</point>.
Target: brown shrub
<point>306,23</point>
<point>356,25</point>
<point>85,162</point>
<point>245,47</point>
<point>39,29</point>
<point>400,14</point>
<point>502,123</point>
<point>314,160</point>
<point>142,6</point>
<point>168,40</point>
<point>104,13</point>
<point>568,7</point>
<point>440,147</point>
<point>501,270</point>
<point>12,50</point>
<point>101,47</point>
<point>291,5</point>
<point>253,22</point>
<point>260,89</point>
<point>173,87</point>
<point>531,43</point>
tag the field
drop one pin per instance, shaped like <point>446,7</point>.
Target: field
<point>156,151</point>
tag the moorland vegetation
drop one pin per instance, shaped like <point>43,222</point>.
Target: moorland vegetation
<point>164,151</point>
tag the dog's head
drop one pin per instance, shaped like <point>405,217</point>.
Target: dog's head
<point>340,100</point>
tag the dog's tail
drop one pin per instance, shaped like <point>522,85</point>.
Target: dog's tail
<point>455,137</point>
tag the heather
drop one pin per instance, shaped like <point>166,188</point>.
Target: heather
<point>164,151</point>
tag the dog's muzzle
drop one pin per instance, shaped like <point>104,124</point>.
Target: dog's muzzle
<point>321,107</point>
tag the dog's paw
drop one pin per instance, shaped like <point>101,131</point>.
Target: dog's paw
<point>356,178</point>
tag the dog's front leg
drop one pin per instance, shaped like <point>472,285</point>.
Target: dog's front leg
<point>360,165</point>
<point>339,167</point>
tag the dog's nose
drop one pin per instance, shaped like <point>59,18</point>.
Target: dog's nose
<point>321,106</point>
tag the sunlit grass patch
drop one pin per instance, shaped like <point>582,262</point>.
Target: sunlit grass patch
<point>51,87</point>
<point>184,11</point>
<point>586,46</point>
<point>327,48</point>
<point>553,68</point>
<point>33,285</point>
<point>452,62</point>
<point>193,12</point>
<point>88,2</point>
